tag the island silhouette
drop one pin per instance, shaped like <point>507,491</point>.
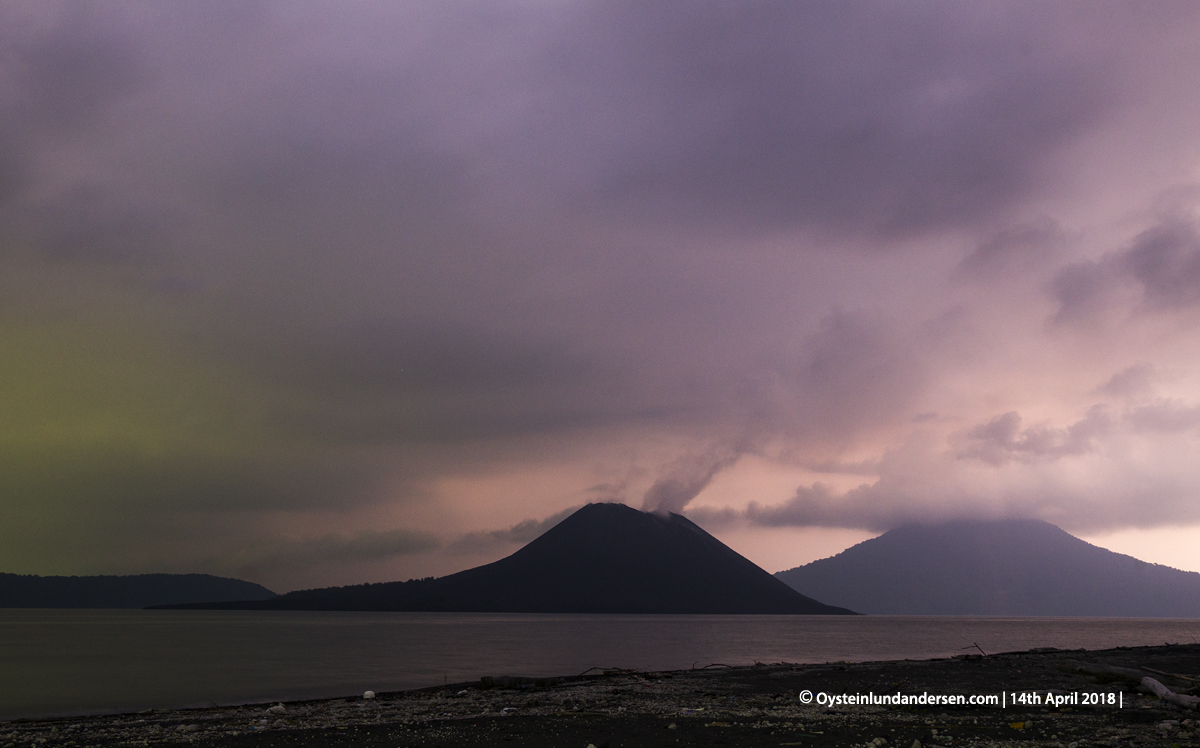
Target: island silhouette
<point>1011,567</point>
<point>604,558</point>
<point>127,591</point>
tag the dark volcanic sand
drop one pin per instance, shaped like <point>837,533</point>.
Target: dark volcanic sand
<point>743,706</point>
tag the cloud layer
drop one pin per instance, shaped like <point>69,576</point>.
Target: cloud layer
<point>332,293</point>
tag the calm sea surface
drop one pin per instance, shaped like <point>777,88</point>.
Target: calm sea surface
<point>58,662</point>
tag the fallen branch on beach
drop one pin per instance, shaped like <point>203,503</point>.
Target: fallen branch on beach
<point>1166,694</point>
<point>1137,676</point>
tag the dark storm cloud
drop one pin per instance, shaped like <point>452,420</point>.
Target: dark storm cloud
<point>818,506</point>
<point>1161,267</point>
<point>59,77</point>
<point>889,503</point>
<point>87,225</point>
<point>329,189</point>
<point>1083,290</point>
<point>1014,250</point>
<point>491,541</point>
<point>849,116</point>
<point>57,83</point>
<point>1165,260</point>
<point>867,507</point>
<point>1002,439</point>
<point>74,481</point>
<point>857,370</point>
<point>1132,382</point>
<point>389,357</point>
<point>1164,416</point>
<point>365,546</point>
<point>92,224</point>
<point>68,74</point>
<point>117,511</point>
<point>12,167</point>
<point>428,381</point>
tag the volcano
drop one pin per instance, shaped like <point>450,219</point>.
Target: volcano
<point>604,558</point>
<point>1011,567</point>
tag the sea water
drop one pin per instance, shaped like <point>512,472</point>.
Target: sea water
<point>67,662</point>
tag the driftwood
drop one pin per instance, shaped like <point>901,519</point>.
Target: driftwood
<point>1137,676</point>
<point>1166,694</point>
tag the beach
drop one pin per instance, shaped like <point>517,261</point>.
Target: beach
<point>1046,701</point>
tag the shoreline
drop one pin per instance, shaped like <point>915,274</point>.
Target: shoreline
<point>758,704</point>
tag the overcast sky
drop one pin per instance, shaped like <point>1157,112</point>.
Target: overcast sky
<point>323,293</point>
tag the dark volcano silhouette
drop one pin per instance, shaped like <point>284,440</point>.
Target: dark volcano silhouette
<point>1006,567</point>
<point>135,591</point>
<point>604,558</point>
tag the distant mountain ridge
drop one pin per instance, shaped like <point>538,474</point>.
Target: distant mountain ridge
<point>604,558</point>
<point>1005,567</point>
<point>134,591</point>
